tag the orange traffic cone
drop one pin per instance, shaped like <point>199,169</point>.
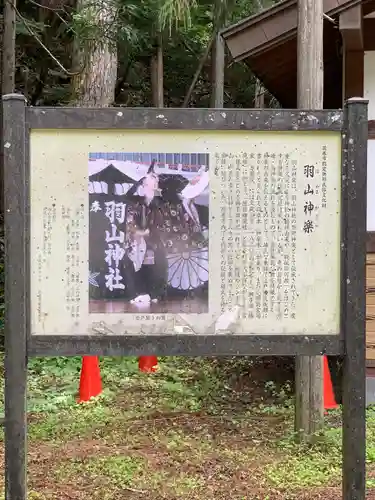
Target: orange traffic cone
<point>329,396</point>
<point>148,364</point>
<point>90,384</point>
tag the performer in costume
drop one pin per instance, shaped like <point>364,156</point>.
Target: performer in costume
<point>184,233</point>
<point>145,264</point>
<point>163,226</point>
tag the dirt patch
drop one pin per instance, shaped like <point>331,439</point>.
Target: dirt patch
<point>203,429</point>
<point>175,465</point>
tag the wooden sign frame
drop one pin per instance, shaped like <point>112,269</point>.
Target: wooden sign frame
<point>18,122</point>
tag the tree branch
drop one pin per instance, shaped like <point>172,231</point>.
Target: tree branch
<point>198,71</point>
<point>32,33</point>
<point>46,6</point>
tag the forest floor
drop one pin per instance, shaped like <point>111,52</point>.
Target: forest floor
<point>198,429</point>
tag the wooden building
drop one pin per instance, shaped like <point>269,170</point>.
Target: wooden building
<point>267,43</point>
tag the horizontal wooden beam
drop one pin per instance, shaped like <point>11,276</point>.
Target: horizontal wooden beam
<point>351,28</point>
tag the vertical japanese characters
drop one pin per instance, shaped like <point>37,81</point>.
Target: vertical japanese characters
<point>324,176</point>
<point>115,239</point>
<point>73,220</point>
<point>258,204</point>
<point>49,219</point>
<point>309,206</point>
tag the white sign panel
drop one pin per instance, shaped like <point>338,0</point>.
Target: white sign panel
<point>136,232</point>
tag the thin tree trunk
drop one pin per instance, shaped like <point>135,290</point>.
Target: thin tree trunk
<point>198,72</point>
<point>9,47</point>
<point>95,85</point>
<point>1,52</point>
<point>7,70</point>
<point>157,74</point>
<point>259,90</point>
<point>259,95</point>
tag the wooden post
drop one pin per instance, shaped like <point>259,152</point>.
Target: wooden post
<point>218,71</point>
<point>16,296</point>
<point>309,369</point>
<point>351,29</point>
<point>218,57</point>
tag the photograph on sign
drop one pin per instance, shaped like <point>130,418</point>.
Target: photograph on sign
<point>148,232</point>
<point>200,232</point>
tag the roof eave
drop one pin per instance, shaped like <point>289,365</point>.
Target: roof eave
<point>256,22</point>
<point>256,18</point>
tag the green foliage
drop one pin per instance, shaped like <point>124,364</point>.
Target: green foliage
<point>308,465</point>
<point>319,463</point>
<point>172,13</point>
<point>45,46</point>
<point>162,432</point>
<point>119,471</point>
<point>48,33</point>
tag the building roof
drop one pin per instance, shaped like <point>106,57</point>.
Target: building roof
<point>267,43</point>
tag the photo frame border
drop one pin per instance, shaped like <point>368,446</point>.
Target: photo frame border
<point>97,208</point>
<point>25,119</point>
<point>18,121</point>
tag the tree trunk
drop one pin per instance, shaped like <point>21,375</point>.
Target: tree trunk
<point>9,47</point>
<point>157,72</point>
<point>259,90</point>
<point>95,85</point>
<point>1,52</point>
<point>259,95</point>
<point>198,71</point>
<point>7,69</point>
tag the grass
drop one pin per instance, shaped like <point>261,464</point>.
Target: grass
<point>196,429</point>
